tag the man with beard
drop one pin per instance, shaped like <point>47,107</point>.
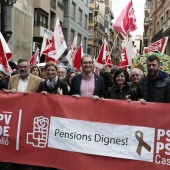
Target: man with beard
<point>24,81</point>
<point>87,84</point>
<point>155,87</point>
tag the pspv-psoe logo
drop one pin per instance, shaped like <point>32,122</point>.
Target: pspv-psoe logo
<point>39,136</point>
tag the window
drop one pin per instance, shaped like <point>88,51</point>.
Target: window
<point>80,17</point>
<point>84,44</point>
<point>66,8</point>
<point>78,40</point>
<point>167,15</point>
<point>89,49</point>
<point>157,26</point>
<point>65,34</point>
<point>162,20</point>
<point>85,21</point>
<point>73,12</point>
<point>72,36</point>
<point>91,1</point>
<point>40,18</point>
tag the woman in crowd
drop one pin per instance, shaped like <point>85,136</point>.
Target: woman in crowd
<point>52,83</point>
<point>35,71</point>
<point>70,75</point>
<point>122,89</point>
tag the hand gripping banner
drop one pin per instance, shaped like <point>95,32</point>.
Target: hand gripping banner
<point>68,133</point>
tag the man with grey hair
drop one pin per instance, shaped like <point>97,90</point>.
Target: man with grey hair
<point>61,73</point>
<point>135,75</point>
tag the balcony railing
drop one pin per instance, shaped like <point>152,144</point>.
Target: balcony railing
<point>100,26</point>
<point>166,25</point>
<point>53,4</point>
<point>60,3</point>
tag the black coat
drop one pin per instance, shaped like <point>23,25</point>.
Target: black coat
<point>121,94</point>
<point>59,84</point>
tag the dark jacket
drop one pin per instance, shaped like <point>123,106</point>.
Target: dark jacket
<point>99,85</point>
<point>157,90</point>
<point>121,94</point>
<point>60,84</point>
<point>3,84</point>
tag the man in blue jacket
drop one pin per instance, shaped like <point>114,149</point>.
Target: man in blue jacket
<point>87,84</point>
<point>155,87</point>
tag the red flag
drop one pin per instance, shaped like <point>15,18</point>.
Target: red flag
<point>77,58</point>
<point>5,56</point>
<point>126,22</point>
<point>47,59</point>
<point>158,46</point>
<point>123,63</point>
<point>104,57</point>
<point>72,52</point>
<point>34,58</point>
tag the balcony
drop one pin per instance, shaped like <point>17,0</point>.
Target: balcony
<point>60,4</point>
<point>166,27</point>
<point>91,21</point>
<point>146,22</point>
<point>145,37</point>
<point>96,10</point>
<point>98,42</point>
<point>53,4</point>
<point>99,27</point>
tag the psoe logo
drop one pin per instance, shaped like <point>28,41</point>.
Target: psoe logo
<point>39,136</point>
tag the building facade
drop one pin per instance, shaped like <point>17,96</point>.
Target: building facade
<point>157,22</point>
<point>76,14</point>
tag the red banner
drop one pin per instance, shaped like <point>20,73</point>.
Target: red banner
<point>21,115</point>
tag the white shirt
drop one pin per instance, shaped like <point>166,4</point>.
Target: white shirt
<point>22,85</point>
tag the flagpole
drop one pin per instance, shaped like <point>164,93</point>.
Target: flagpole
<point>114,42</point>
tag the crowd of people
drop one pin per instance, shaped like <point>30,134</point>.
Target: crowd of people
<point>114,83</point>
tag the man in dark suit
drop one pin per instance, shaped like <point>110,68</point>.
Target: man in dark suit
<point>87,84</point>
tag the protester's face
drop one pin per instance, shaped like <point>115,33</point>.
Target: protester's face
<point>24,69</point>
<point>135,77</point>
<point>153,69</point>
<point>51,72</point>
<point>120,79</point>
<point>35,71</point>
<point>71,77</point>
<point>61,73</point>
<point>87,65</point>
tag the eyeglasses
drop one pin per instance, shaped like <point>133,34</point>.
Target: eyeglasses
<point>61,72</point>
<point>137,75</point>
<point>87,62</point>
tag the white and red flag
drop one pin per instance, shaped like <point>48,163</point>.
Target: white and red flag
<point>158,46</point>
<point>71,54</point>
<point>77,57</point>
<point>57,46</point>
<point>59,41</point>
<point>123,63</point>
<point>45,43</point>
<point>34,58</point>
<point>104,57</point>
<point>5,56</point>
<point>126,22</point>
